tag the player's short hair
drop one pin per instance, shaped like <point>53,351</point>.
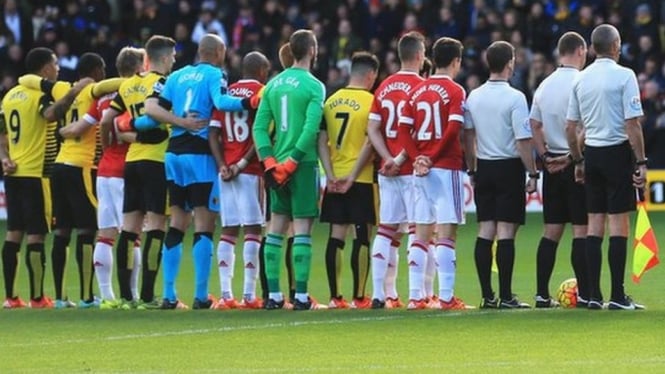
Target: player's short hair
<point>129,60</point>
<point>445,51</point>
<point>286,56</point>
<point>498,55</point>
<point>301,41</point>
<point>364,62</point>
<point>603,38</point>
<point>426,70</point>
<point>88,63</point>
<point>409,45</point>
<point>37,58</point>
<point>253,63</point>
<point>159,46</point>
<point>569,42</point>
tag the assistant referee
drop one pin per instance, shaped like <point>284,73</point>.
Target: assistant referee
<point>606,99</point>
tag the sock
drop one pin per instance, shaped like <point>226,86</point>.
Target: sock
<point>152,257</point>
<point>125,263</point>
<point>272,259</point>
<point>430,269</point>
<point>136,270</point>
<point>545,256</point>
<point>86,269</point>
<point>103,261</point>
<point>35,258</point>
<point>59,255</point>
<point>483,259</point>
<point>578,260</point>
<point>10,252</point>
<point>417,258</point>
<point>411,236</point>
<point>594,259</point>
<point>334,265</point>
<point>262,270</point>
<point>505,260</point>
<point>171,256</point>
<point>225,264</point>
<point>202,253</point>
<point>616,256</point>
<point>380,260</point>
<point>446,264</point>
<point>302,262</point>
<point>250,254</point>
<point>290,270</point>
<point>360,261</point>
<point>391,273</point>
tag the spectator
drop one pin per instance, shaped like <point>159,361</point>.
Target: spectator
<point>208,24</point>
<point>19,24</point>
<point>67,62</point>
<point>345,43</point>
<point>185,48</point>
<point>244,21</point>
<point>446,25</point>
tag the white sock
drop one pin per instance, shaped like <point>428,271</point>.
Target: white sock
<point>250,254</point>
<point>103,260</point>
<point>411,236</point>
<point>391,273</point>
<point>302,297</point>
<point>417,265</point>
<point>430,271</point>
<point>276,296</point>
<point>136,271</point>
<point>446,264</point>
<point>225,264</point>
<point>380,261</point>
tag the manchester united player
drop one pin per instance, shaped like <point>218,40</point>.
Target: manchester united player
<point>434,114</point>
<point>240,191</point>
<point>395,175</point>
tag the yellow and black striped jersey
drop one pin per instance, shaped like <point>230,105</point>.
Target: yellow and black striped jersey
<point>345,115</point>
<point>131,96</point>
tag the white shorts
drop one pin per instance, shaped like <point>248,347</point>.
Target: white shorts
<point>241,201</point>
<point>109,202</point>
<point>395,199</point>
<point>439,197</point>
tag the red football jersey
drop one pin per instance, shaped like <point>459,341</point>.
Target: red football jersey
<point>112,162</point>
<point>389,99</point>
<point>433,108</point>
<point>236,127</point>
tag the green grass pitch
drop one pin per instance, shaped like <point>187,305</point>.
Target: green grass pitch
<point>348,341</point>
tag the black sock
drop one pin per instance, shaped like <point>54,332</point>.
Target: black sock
<point>288,258</point>
<point>333,265</point>
<point>152,257</point>
<point>594,259</point>
<point>10,252</point>
<point>59,264</point>
<point>173,237</point>
<point>617,259</point>
<point>124,260</point>
<point>262,270</point>
<point>545,265</point>
<point>505,260</point>
<point>578,260</point>
<point>84,249</point>
<point>483,257</point>
<point>360,261</point>
<point>35,258</point>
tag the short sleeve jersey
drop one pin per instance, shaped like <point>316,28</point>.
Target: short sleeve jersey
<point>131,97</point>
<point>236,128</point>
<point>433,107</point>
<point>112,161</point>
<point>389,99</point>
<point>345,115</point>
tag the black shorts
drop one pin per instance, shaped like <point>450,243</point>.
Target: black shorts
<point>28,204</point>
<point>188,197</point>
<point>608,179</point>
<point>145,187</point>
<point>356,206</point>
<point>499,192</point>
<point>564,200</point>
<point>73,197</point>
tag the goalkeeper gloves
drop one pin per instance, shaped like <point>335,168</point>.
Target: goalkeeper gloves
<point>124,123</point>
<point>251,103</point>
<point>277,175</point>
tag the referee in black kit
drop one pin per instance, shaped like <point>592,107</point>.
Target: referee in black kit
<point>606,100</point>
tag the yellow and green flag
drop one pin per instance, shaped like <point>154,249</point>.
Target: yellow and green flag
<point>645,250</point>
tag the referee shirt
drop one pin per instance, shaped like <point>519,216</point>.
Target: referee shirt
<point>604,96</point>
<point>500,116</point>
<point>550,104</point>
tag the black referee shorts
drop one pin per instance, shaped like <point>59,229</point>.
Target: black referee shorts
<point>356,206</point>
<point>564,200</point>
<point>145,187</point>
<point>608,179</point>
<point>28,204</point>
<point>499,192</point>
<point>73,197</point>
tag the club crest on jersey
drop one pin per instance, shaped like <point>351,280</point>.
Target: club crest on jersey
<point>158,87</point>
<point>636,103</point>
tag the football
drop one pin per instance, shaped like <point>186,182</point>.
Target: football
<point>566,295</point>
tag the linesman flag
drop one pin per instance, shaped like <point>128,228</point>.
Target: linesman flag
<point>645,250</point>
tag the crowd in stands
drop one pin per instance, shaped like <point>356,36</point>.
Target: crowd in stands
<point>71,27</point>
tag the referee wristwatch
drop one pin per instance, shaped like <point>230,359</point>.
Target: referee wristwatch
<point>642,162</point>
<point>534,175</point>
